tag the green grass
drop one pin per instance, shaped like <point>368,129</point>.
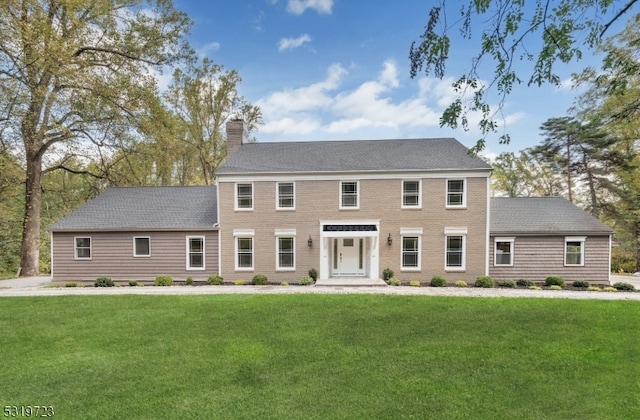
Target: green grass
<point>320,356</point>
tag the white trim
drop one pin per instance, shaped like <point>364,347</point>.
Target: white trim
<point>134,247</point>
<point>487,240</point>
<point>455,231</point>
<point>75,248</point>
<point>582,240</point>
<point>464,252</point>
<point>464,194</point>
<point>357,206</point>
<point>347,176</point>
<point>235,253</point>
<point>278,196</point>
<point>244,232</point>
<point>51,252</point>
<point>188,252</point>
<point>511,241</point>
<point>285,236</point>
<point>284,232</point>
<point>414,234</point>
<point>411,231</point>
<point>419,205</point>
<point>235,197</point>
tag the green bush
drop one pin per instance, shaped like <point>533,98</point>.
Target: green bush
<point>163,280</point>
<point>306,281</point>
<point>580,283</point>
<point>239,282</point>
<point>414,283</point>
<point>624,287</point>
<point>510,284</point>
<point>609,289</point>
<point>555,287</point>
<point>554,281</point>
<point>534,287</point>
<point>71,284</point>
<point>387,273</point>
<point>313,273</point>
<point>284,283</point>
<point>438,281</point>
<point>189,281</point>
<point>133,283</point>
<point>622,261</point>
<point>594,289</point>
<point>215,280</point>
<point>461,283</point>
<point>484,281</point>
<point>524,282</point>
<point>259,280</point>
<point>394,281</point>
<point>104,282</point>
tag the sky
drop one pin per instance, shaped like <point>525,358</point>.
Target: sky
<point>339,70</point>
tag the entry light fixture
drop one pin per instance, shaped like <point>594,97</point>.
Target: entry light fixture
<point>310,242</point>
<point>389,240</point>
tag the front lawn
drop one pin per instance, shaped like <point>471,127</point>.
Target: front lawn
<point>320,356</point>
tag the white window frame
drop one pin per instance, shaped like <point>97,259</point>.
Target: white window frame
<point>239,234</point>
<point>403,195</point>
<point>285,234</point>
<point>189,252</point>
<point>135,254</point>
<point>462,205</point>
<point>278,207</point>
<point>511,242</point>
<point>455,232</point>
<point>75,248</point>
<point>357,195</point>
<point>581,240</point>
<point>236,197</point>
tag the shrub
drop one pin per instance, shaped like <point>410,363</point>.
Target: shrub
<point>394,281</point>
<point>554,281</point>
<point>555,287</point>
<point>215,279</point>
<point>609,289</point>
<point>484,281</point>
<point>259,280</point>
<point>104,282</point>
<point>624,286</point>
<point>622,261</point>
<point>580,283</point>
<point>387,273</point>
<point>594,289</point>
<point>133,283</point>
<point>189,281</point>
<point>507,283</point>
<point>306,281</point>
<point>534,287</point>
<point>414,283</point>
<point>71,284</point>
<point>461,283</point>
<point>284,283</point>
<point>524,282</point>
<point>437,281</point>
<point>239,282</point>
<point>163,280</point>
<point>313,273</point>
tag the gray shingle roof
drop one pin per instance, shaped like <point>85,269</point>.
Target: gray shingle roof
<point>542,215</point>
<point>145,208</point>
<point>352,156</point>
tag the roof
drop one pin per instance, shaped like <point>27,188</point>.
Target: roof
<point>145,208</point>
<point>438,154</point>
<point>542,215</point>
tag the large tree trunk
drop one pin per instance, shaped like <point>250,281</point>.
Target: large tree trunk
<point>30,251</point>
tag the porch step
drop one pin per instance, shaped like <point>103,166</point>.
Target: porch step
<point>351,282</point>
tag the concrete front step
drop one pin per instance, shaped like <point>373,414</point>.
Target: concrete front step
<point>351,281</point>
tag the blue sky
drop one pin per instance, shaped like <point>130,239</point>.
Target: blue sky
<point>339,70</point>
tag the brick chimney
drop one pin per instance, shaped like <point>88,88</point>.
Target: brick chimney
<point>236,135</point>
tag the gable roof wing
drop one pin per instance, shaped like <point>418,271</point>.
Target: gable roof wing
<point>145,208</point>
<point>542,216</point>
<point>401,155</point>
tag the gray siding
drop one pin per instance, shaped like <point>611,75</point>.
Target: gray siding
<point>112,256</point>
<point>536,257</point>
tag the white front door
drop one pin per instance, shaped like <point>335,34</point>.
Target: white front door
<point>348,257</point>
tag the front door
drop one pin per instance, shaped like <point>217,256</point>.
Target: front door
<point>348,257</point>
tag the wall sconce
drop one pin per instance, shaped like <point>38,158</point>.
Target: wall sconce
<point>389,240</point>
<point>310,242</point>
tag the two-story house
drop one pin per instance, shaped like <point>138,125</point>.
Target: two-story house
<point>348,209</point>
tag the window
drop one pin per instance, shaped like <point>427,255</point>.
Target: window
<point>244,253</point>
<point>456,196</point>
<point>410,252</point>
<point>286,253</point>
<point>244,196</point>
<point>82,248</point>
<point>195,253</point>
<point>349,195</point>
<point>455,243</point>
<point>503,251</point>
<point>286,196</point>
<point>142,246</point>
<point>411,194</point>
<point>574,250</point>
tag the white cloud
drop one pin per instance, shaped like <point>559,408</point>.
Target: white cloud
<point>207,48</point>
<point>291,43</point>
<point>298,7</point>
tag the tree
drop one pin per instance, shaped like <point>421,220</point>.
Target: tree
<point>564,30</point>
<point>523,175</point>
<point>75,77</point>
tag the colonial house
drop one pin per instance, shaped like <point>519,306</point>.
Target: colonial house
<point>348,209</point>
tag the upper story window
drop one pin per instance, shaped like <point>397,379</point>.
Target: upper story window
<point>244,196</point>
<point>503,251</point>
<point>456,193</point>
<point>286,196</point>
<point>574,250</point>
<point>411,194</point>
<point>349,195</point>
<point>82,248</point>
<point>142,246</point>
